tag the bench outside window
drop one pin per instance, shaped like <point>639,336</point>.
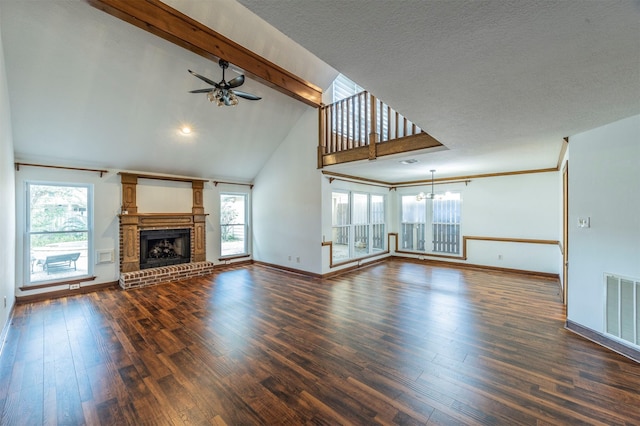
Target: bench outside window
<point>60,261</point>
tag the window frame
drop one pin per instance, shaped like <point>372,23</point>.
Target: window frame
<point>352,227</point>
<point>425,243</point>
<point>28,260</point>
<point>246,228</point>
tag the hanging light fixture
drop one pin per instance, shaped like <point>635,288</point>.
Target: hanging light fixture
<point>223,97</point>
<point>431,195</point>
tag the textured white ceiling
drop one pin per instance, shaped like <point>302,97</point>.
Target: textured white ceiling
<point>499,83</point>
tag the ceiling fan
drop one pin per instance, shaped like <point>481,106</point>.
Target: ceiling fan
<point>224,93</point>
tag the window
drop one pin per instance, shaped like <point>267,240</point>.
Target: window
<point>58,231</point>
<point>233,224</point>
<point>341,228</point>
<point>344,88</point>
<point>358,221</point>
<point>436,220</point>
<point>445,224</point>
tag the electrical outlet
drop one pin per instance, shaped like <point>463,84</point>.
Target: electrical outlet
<point>298,259</point>
<point>499,257</point>
<point>74,286</point>
<point>5,301</point>
<point>289,258</point>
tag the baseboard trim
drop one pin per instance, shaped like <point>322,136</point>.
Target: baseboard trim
<point>603,340</point>
<point>332,274</point>
<point>5,329</point>
<point>223,266</point>
<point>359,265</point>
<point>64,293</point>
<point>286,269</point>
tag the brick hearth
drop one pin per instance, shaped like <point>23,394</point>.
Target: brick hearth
<point>153,276</point>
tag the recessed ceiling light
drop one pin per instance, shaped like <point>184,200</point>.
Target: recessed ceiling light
<point>185,130</point>
<point>409,161</point>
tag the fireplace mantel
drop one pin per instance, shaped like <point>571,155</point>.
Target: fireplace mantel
<point>131,222</point>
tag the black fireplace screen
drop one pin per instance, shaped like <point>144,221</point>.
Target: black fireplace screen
<point>164,247</point>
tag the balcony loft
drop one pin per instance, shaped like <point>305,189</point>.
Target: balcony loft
<point>362,127</point>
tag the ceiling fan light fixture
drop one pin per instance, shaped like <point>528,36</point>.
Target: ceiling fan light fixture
<point>233,99</point>
<point>221,93</point>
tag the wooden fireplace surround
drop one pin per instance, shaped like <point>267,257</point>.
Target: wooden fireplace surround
<point>131,222</point>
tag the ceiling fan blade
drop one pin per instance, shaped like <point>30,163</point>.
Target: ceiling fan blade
<point>235,82</point>
<point>200,91</point>
<point>246,95</point>
<point>205,79</point>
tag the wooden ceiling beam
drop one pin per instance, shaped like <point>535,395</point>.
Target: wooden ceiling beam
<point>168,23</point>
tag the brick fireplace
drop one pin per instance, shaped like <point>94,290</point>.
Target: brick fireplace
<point>136,227</point>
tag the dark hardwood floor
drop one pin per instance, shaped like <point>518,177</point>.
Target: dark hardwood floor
<point>395,343</point>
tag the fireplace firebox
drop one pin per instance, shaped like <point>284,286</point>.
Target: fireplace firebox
<point>164,247</point>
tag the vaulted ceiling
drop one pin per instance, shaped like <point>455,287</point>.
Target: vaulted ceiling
<point>499,83</point>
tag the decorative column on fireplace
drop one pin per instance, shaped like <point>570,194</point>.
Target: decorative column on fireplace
<point>135,227</point>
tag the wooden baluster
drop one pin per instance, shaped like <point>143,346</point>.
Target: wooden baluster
<point>373,136</point>
<point>332,138</point>
<point>342,120</point>
<point>388,123</point>
<point>359,103</point>
<point>327,120</point>
<point>349,118</point>
<point>322,142</point>
<point>397,124</point>
<point>413,129</point>
<point>379,117</point>
<point>367,129</point>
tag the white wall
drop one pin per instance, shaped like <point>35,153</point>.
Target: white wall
<point>604,185</point>
<point>286,202</point>
<point>7,202</point>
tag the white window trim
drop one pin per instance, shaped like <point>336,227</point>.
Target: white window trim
<point>247,225</point>
<point>26,259</point>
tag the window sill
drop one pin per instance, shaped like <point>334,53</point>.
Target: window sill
<point>232,257</point>
<point>357,259</point>
<point>431,254</point>
<point>48,284</point>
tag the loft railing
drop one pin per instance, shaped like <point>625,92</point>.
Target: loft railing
<point>363,123</point>
<point>359,120</point>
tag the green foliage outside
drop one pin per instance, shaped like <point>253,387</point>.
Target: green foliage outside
<point>58,209</point>
<point>228,214</point>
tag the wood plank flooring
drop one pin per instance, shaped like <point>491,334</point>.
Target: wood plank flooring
<point>395,343</point>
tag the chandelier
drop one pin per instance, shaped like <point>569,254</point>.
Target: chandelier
<point>222,97</point>
<point>430,195</point>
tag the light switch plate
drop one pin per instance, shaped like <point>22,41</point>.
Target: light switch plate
<point>584,222</point>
